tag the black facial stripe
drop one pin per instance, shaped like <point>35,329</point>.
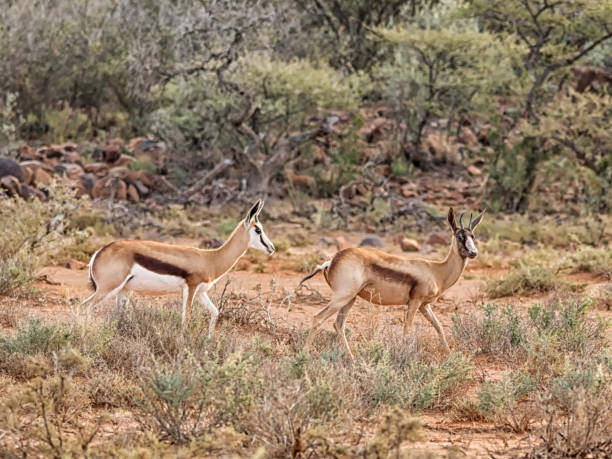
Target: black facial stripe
<point>263,242</point>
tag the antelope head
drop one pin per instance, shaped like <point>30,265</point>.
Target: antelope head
<point>466,241</point>
<point>257,237</point>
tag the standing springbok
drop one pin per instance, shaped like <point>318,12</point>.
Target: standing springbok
<point>386,279</point>
<point>154,268</point>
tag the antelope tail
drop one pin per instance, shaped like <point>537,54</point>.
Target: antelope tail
<point>318,269</point>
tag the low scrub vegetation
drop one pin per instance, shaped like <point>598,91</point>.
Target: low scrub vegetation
<point>597,261</point>
<point>539,340</point>
<point>244,393</point>
<point>559,378</point>
<point>36,233</point>
<point>195,395</point>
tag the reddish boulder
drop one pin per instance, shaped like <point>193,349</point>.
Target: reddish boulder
<point>132,193</point>
<point>109,188</point>
<point>409,245</point>
<point>41,177</point>
<point>112,153</point>
<point>341,243</point>
<point>71,171</point>
<point>467,137</point>
<point>302,182</point>
<point>98,169</point>
<point>10,185</point>
<point>75,265</point>
<point>123,160</point>
<point>29,192</point>
<point>26,152</point>
<point>473,170</point>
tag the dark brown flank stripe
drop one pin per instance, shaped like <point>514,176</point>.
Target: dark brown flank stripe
<point>393,275</point>
<point>159,267</point>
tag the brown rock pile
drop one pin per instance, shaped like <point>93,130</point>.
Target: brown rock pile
<point>105,174</point>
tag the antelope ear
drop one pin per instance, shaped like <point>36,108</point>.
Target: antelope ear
<point>261,204</point>
<point>451,219</point>
<point>252,213</point>
<point>477,220</point>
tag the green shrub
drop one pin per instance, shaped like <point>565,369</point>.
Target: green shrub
<point>411,382</point>
<point>494,398</point>
<point>444,380</point>
<point>34,233</point>
<point>494,330</point>
<point>226,226</point>
<point>41,419</point>
<point>543,339</point>
<point>323,402</point>
<point>67,124</point>
<point>527,280</point>
<point>34,338</point>
<point>400,167</point>
<point>171,404</point>
<point>597,261</point>
<point>231,387</point>
<point>578,416</point>
<point>143,164</point>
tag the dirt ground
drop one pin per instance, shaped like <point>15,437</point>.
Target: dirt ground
<point>63,288</point>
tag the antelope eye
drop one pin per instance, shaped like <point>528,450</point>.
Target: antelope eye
<point>257,230</point>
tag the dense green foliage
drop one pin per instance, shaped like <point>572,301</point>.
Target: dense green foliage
<point>252,81</point>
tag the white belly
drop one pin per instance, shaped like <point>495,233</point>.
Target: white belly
<point>145,281</point>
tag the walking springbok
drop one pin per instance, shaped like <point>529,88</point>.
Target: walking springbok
<point>154,268</point>
<point>386,279</point>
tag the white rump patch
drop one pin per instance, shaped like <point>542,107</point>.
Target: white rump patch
<point>91,263</point>
<point>147,281</point>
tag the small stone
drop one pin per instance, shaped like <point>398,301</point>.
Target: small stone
<point>371,241</point>
<point>75,265</point>
<point>467,136</point>
<point>473,170</point>
<point>341,243</point>
<point>409,245</point>
<point>437,239</point>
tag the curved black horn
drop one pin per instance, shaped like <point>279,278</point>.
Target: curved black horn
<point>470,223</point>
<point>461,220</point>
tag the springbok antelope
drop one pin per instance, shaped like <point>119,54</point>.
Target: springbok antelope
<point>154,268</point>
<point>386,279</point>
